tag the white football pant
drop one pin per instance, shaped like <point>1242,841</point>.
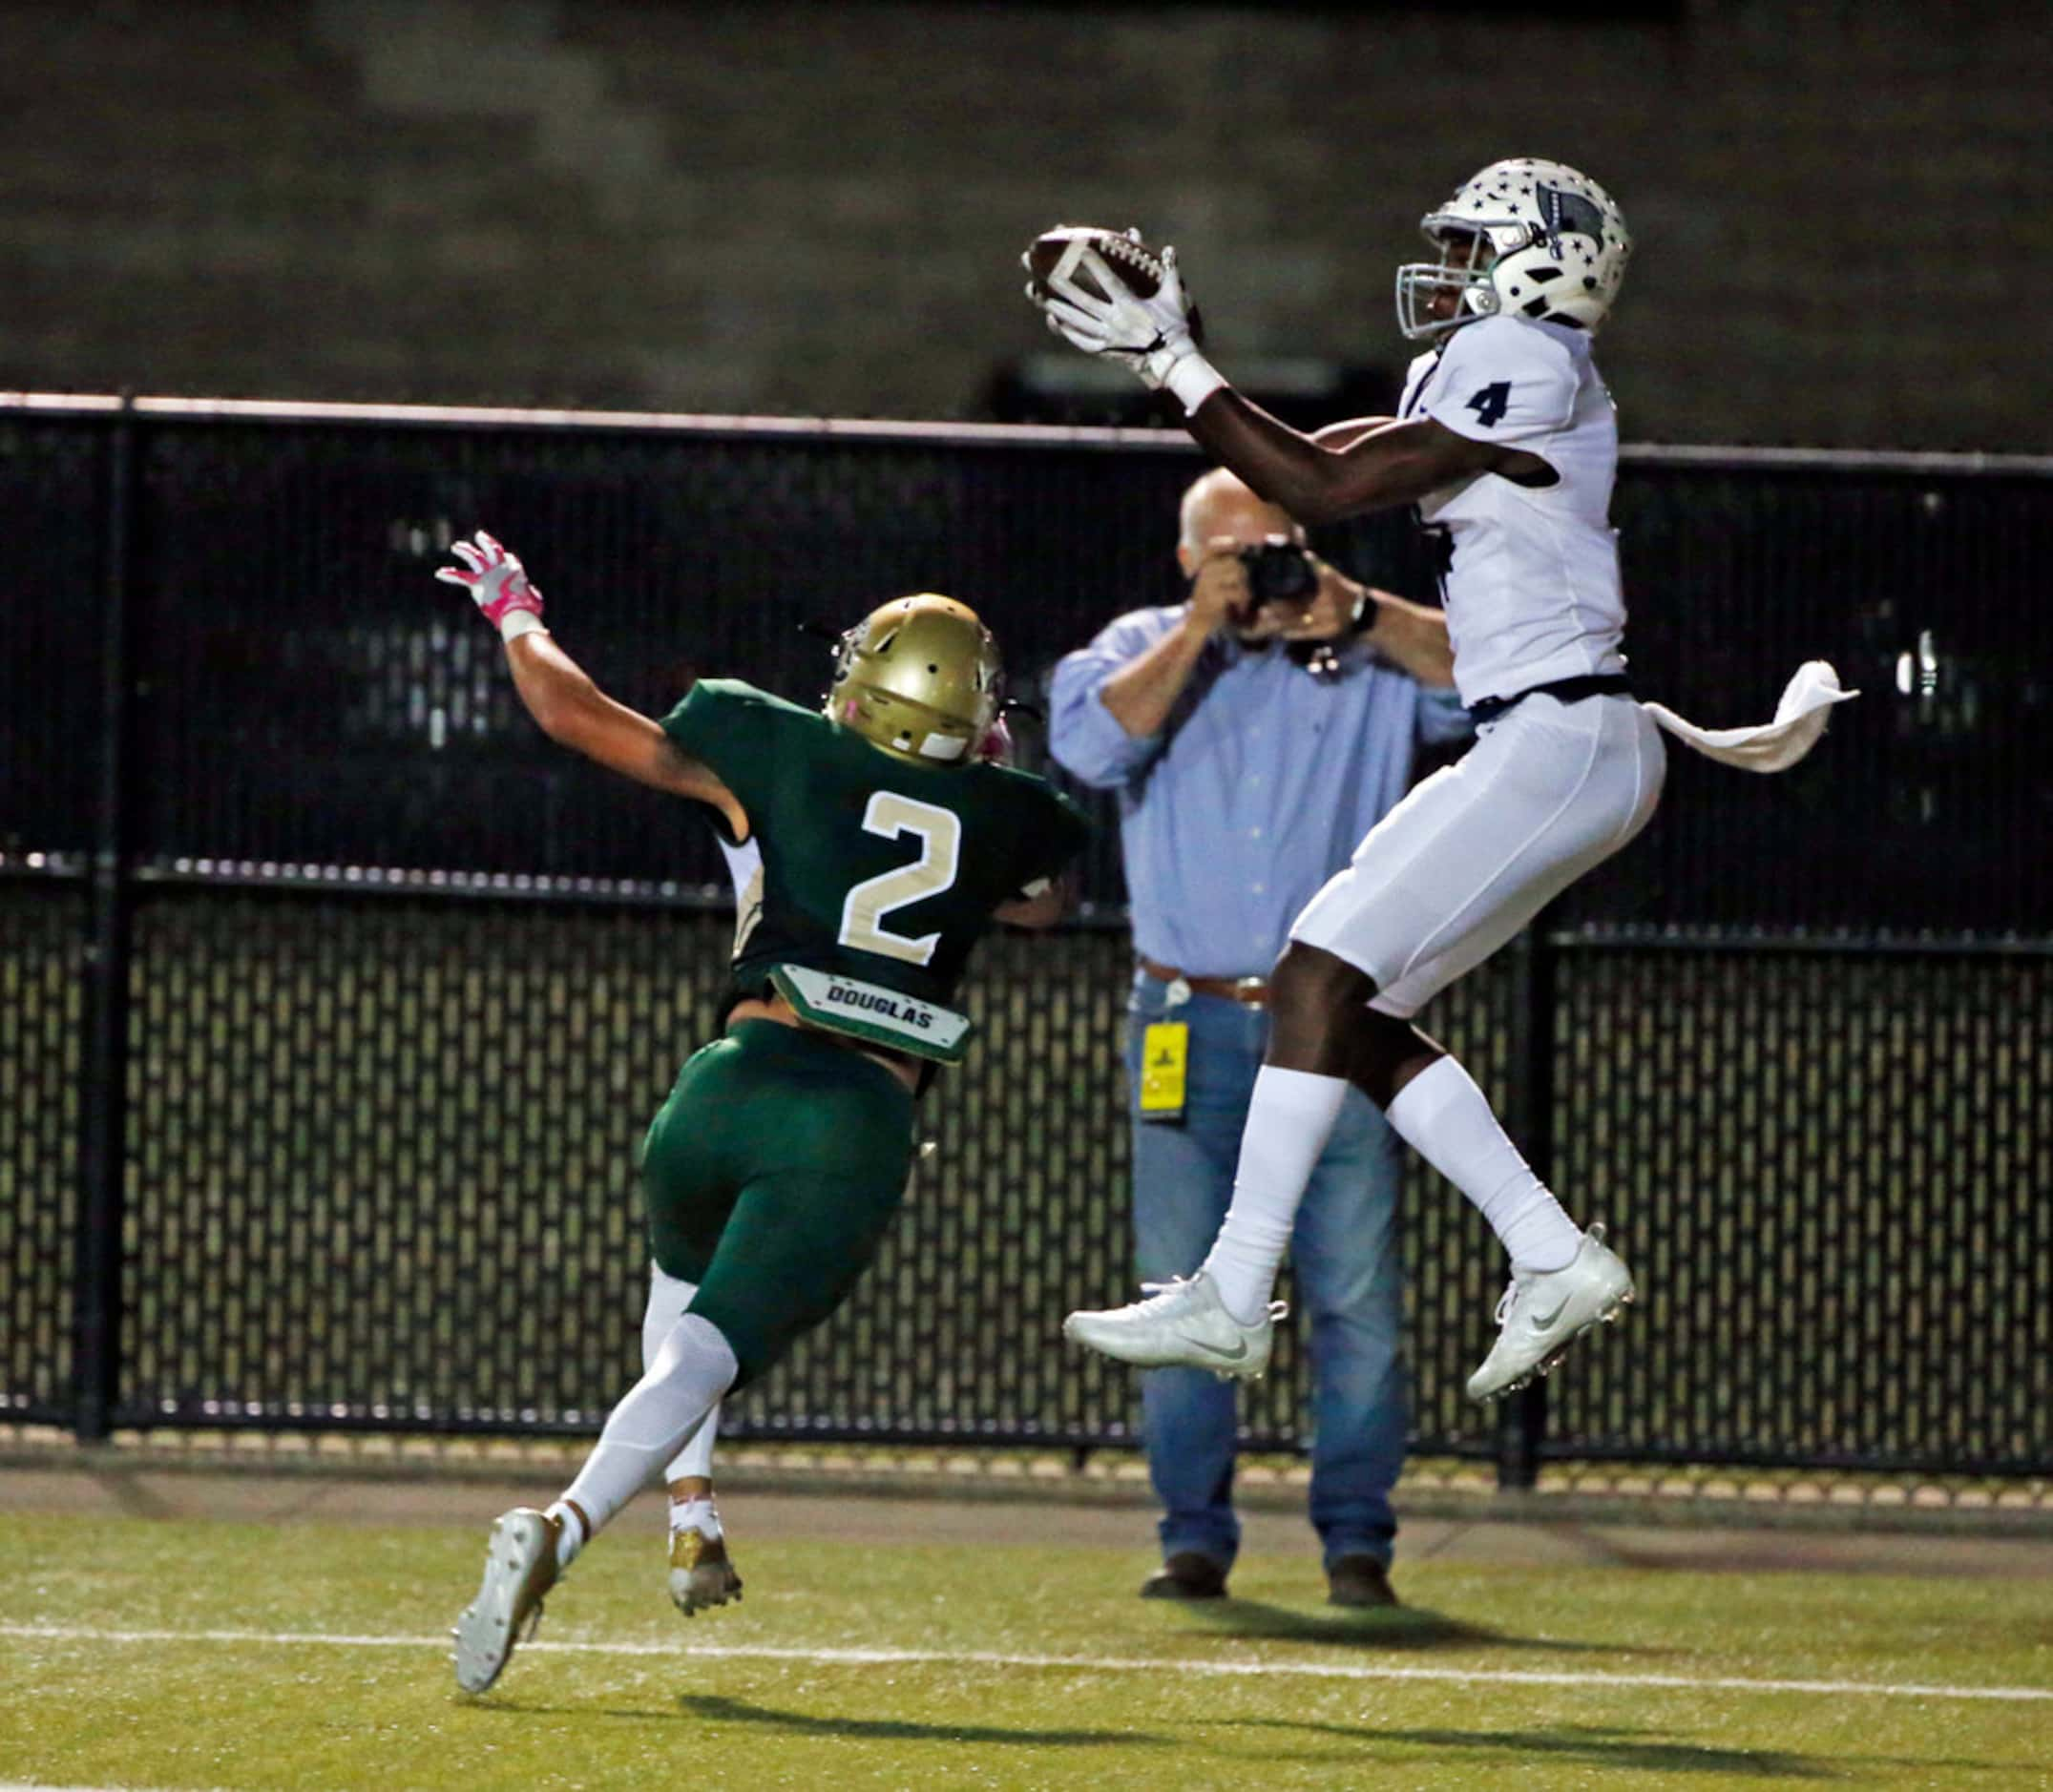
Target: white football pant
<point>1548,791</point>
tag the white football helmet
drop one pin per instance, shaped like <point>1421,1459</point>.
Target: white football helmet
<point>1544,241</point>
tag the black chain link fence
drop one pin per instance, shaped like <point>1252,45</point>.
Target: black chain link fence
<point>41,934</point>
<point>333,1000</point>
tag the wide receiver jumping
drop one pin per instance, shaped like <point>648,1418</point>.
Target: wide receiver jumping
<point>888,841</point>
<point>1506,442</point>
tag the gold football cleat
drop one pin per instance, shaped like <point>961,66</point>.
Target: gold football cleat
<point>700,1574</point>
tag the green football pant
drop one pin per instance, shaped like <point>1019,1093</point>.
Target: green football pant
<point>771,1173</point>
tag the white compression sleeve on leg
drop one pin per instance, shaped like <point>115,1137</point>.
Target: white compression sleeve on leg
<point>668,1297</point>
<point>691,1372</point>
<point>1289,1120</point>
<point>1444,1117</point>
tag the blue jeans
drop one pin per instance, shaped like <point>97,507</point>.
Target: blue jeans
<point>1350,1285</point>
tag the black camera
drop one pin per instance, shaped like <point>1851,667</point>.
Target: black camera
<point>1279,572</point>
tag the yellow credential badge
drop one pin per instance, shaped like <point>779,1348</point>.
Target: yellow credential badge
<point>1164,1068</point>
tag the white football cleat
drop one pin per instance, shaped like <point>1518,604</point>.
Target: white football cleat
<point>700,1574</point>
<point>1185,1324</point>
<point>1543,1314</point>
<point>520,1567</point>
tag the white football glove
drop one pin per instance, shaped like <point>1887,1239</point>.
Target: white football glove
<point>1152,336</point>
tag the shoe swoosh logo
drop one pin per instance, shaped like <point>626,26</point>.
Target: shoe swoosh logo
<point>1539,1322</point>
<point>1237,1354</point>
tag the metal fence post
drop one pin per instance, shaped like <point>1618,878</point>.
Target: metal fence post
<point>1523,1418</point>
<point>103,1106</point>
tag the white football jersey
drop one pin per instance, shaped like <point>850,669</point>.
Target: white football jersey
<point>1532,586</point>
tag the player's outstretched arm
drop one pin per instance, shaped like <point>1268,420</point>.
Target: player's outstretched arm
<point>1397,463</point>
<point>559,695</point>
<point>574,712</point>
<point>1316,482</point>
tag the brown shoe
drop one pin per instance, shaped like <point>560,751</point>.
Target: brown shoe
<point>1359,1581</point>
<point>1186,1576</point>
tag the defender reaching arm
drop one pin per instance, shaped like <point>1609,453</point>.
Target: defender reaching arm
<point>565,705</point>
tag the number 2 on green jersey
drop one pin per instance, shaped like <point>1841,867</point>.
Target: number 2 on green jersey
<point>939,833</point>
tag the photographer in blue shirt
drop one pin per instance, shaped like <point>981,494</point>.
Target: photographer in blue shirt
<point>1254,734</point>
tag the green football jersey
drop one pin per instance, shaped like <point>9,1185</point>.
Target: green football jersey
<point>875,867</point>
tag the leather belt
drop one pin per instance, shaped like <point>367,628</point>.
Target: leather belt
<point>1247,991</point>
<point>1567,690</point>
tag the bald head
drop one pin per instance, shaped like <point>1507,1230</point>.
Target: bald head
<point>1219,504</point>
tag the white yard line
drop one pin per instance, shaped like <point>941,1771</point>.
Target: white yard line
<point>1091,1664</point>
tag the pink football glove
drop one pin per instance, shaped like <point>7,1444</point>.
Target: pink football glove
<point>496,581</point>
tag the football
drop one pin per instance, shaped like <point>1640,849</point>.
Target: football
<point>1059,253</point>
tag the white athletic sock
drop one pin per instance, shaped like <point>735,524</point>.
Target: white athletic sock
<point>694,1514</point>
<point>1444,1117</point>
<point>1289,1121</point>
<point>691,1372</point>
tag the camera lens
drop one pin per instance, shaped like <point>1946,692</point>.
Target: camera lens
<point>1279,572</point>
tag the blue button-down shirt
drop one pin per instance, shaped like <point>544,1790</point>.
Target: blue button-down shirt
<point>1256,790</point>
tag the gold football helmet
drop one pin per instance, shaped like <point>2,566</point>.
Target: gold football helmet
<point>920,678</point>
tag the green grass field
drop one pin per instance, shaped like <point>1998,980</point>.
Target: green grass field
<point>170,1652</point>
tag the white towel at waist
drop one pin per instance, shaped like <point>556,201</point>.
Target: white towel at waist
<point>1773,746</point>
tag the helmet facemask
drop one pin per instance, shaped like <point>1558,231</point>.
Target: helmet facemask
<point>1424,286</point>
